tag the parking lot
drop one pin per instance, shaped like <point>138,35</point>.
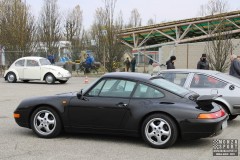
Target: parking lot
<point>20,143</point>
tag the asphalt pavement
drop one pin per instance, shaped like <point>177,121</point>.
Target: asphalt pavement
<point>17,143</point>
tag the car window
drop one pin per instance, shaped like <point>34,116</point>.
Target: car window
<point>96,90</point>
<point>177,78</point>
<point>32,63</point>
<point>20,63</point>
<point>165,84</point>
<point>204,81</point>
<point>144,91</point>
<point>44,61</point>
<point>117,88</point>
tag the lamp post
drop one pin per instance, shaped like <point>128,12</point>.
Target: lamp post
<point>104,33</point>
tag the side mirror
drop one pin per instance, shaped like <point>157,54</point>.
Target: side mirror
<point>80,95</point>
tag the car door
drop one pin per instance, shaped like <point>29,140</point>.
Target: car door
<point>32,70</point>
<point>207,85</point>
<point>103,106</point>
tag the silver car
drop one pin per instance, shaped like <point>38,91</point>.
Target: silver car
<point>208,82</point>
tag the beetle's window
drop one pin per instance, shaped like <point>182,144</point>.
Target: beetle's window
<point>117,88</point>
<point>32,63</point>
<point>20,63</point>
<point>144,91</point>
<point>44,61</point>
<point>204,81</point>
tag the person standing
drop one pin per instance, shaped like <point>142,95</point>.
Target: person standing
<point>150,66</point>
<point>133,64</point>
<point>235,66</point>
<point>127,64</point>
<point>150,62</point>
<point>170,62</point>
<point>88,63</point>
<point>203,63</point>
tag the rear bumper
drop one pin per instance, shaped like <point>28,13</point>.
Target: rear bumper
<point>196,128</point>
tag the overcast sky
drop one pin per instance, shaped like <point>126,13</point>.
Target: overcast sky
<point>159,10</point>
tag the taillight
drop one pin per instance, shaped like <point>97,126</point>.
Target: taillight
<point>214,115</point>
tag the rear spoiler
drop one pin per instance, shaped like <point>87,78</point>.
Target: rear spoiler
<point>205,100</point>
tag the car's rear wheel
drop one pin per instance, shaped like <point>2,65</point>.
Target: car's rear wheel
<point>159,131</point>
<point>46,123</point>
<point>50,79</point>
<point>62,82</point>
<point>231,117</point>
<point>11,77</point>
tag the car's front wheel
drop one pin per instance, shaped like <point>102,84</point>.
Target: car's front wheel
<point>50,79</point>
<point>159,131</point>
<point>45,122</point>
<point>11,77</point>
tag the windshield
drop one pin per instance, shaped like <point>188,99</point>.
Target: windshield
<point>88,86</point>
<point>44,61</point>
<point>170,86</point>
<point>229,77</point>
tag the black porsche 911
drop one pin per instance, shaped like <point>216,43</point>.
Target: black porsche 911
<point>134,104</point>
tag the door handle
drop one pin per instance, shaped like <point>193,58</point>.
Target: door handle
<point>121,104</point>
<point>166,103</point>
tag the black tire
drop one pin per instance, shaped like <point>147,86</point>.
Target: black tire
<point>50,79</point>
<point>232,117</point>
<point>25,81</point>
<point>46,123</point>
<point>11,77</point>
<point>62,82</point>
<point>155,126</point>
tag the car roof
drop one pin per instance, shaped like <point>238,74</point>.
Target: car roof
<point>31,57</point>
<point>211,72</point>
<point>129,75</point>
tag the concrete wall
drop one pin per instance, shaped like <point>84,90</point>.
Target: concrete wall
<point>195,50</point>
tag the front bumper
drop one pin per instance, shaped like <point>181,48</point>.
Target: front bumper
<point>64,77</point>
<point>24,119</point>
<point>202,128</point>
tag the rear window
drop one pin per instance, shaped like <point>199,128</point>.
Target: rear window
<point>170,86</point>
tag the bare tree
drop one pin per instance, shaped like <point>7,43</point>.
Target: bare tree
<point>74,30</point>
<point>49,30</point>
<point>104,31</point>
<point>17,29</point>
<point>214,7</point>
<point>73,25</point>
<point>219,46</point>
<point>135,19</point>
<point>150,22</point>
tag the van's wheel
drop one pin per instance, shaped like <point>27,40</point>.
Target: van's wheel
<point>45,123</point>
<point>159,131</point>
<point>50,79</point>
<point>11,77</point>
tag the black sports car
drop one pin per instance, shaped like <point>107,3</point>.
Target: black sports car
<point>126,103</point>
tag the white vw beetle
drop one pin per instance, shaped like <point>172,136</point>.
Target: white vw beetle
<point>35,68</point>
